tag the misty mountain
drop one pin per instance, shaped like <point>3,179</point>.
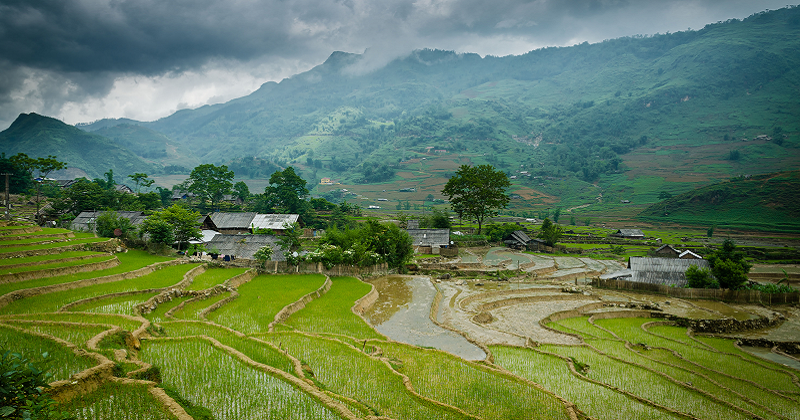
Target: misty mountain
<point>633,115</point>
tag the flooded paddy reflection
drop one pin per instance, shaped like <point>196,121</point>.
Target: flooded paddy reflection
<point>402,313</point>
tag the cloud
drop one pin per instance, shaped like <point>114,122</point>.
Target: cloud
<point>85,59</point>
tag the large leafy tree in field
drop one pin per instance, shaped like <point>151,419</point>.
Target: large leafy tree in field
<point>211,182</point>
<point>477,192</point>
<point>44,166</point>
<point>550,232</point>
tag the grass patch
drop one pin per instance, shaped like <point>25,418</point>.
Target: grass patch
<point>58,264</point>
<point>41,258</point>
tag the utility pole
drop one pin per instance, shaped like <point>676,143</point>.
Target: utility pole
<point>8,198</point>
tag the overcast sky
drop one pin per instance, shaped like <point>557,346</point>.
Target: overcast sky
<point>82,60</point>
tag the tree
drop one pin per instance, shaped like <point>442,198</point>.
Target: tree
<point>211,182</point>
<point>557,215</point>
<point>241,190</point>
<point>550,232</point>
<point>290,241</point>
<point>183,223</point>
<point>108,222</point>
<point>22,389</point>
<point>700,278</point>
<point>141,180</point>
<point>663,195</point>
<point>263,255</point>
<point>477,191</point>
<point>44,166</point>
<point>729,266</point>
<point>287,192</point>
<point>19,180</point>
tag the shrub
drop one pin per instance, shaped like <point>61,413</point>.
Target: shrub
<point>22,392</point>
<point>700,278</point>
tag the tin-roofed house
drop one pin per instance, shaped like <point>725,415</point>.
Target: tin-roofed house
<point>429,241</point>
<point>629,233</point>
<point>275,222</point>
<point>666,271</point>
<point>232,223</point>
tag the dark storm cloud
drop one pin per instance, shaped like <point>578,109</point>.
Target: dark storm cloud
<point>52,51</point>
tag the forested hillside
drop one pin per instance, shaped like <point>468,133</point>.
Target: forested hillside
<point>624,119</point>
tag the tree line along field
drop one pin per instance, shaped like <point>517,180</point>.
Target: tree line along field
<point>218,352</point>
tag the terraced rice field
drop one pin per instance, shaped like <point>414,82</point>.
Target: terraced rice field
<point>324,361</point>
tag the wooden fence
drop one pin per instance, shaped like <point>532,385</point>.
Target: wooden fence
<point>309,267</point>
<point>725,295</point>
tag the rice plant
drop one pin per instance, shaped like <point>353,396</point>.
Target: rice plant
<point>75,334</point>
<point>346,371</point>
<point>226,386</point>
<point>61,361</point>
<point>192,309</point>
<point>52,302</point>
<point>159,314</point>
<point>251,347</point>
<point>553,373</point>
<point>106,319</point>
<point>685,376</point>
<point>643,383</point>
<point>122,305</point>
<point>583,327</point>
<point>114,400</point>
<point>262,298</point>
<point>331,313</point>
<point>630,329</point>
<point>46,258</point>
<point>476,390</point>
<point>213,277</point>
<point>23,247</point>
<point>128,261</point>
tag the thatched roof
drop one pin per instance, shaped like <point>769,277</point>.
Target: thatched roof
<point>273,221</point>
<point>667,271</point>
<point>244,246</point>
<point>430,237</point>
<point>225,220</point>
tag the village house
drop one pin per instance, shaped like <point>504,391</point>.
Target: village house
<point>245,246</point>
<point>629,234</point>
<point>667,251</point>
<point>665,271</point>
<point>429,241</point>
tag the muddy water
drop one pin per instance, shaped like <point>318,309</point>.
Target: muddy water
<point>725,310</point>
<point>767,354</point>
<point>402,313</point>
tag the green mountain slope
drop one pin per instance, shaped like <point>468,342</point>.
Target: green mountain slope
<point>622,119</point>
<point>39,136</point>
<point>762,202</point>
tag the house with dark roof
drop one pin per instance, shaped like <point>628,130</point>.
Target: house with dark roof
<point>520,240</point>
<point>245,246</point>
<point>666,271</point>
<point>86,220</point>
<point>629,233</point>
<point>430,238</point>
<point>178,195</point>
<point>233,223</point>
<point>667,251</point>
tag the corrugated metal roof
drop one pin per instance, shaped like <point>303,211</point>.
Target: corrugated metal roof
<point>429,237</point>
<point>668,271</point>
<point>232,220</point>
<point>244,246</point>
<point>273,221</point>
<point>630,232</point>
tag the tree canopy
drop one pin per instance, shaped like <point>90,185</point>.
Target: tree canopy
<point>550,232</point>
<point>287,192</point>
<point>182,221</point>
<point>729,266</point>
<point>477,192</point>
<point>211,182</point>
